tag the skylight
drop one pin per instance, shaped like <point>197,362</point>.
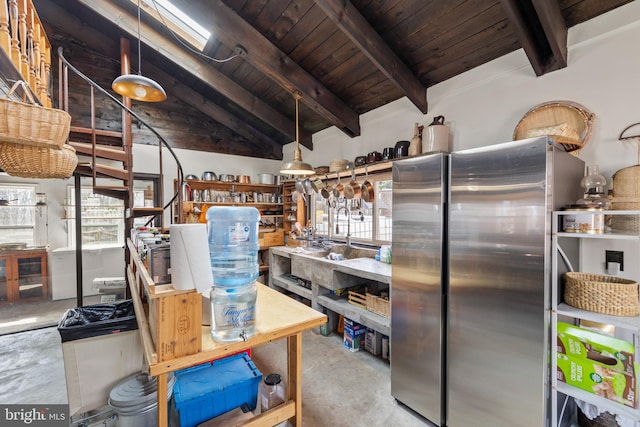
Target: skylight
<point>177,21</point>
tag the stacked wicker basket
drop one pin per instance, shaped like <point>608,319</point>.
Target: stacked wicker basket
<point>32,139</point>
<point>568,123</point>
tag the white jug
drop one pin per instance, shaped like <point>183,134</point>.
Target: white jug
<point>437,137</point>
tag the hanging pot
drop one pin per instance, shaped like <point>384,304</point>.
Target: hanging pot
<point>326,191</point>
<point>309,188</point>
<point>352,190</point>
<point>338,190</point>
<point>300,186</point>
<point>366,190</point>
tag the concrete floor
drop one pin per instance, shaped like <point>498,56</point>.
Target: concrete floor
<point>340,388</point>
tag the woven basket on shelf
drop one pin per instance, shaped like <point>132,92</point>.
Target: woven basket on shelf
<point>569,123</point>
<point>30,124</point>
<point>601,294</point>
<point>626,196</point>
<point>30,161</point>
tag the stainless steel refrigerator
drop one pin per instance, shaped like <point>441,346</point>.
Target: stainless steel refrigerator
<point>470,288</point>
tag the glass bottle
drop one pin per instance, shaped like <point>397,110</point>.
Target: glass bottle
<point>594,189</point>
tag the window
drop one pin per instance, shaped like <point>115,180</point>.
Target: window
<point>102,218</point>
<point>18,214</point>
<point>178,22</point>
<point>366,222</point>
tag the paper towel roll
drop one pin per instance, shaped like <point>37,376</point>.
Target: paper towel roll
<point>190,260</point>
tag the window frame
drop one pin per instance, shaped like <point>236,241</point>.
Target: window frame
<point>34,226</point>
<point>313,202</point>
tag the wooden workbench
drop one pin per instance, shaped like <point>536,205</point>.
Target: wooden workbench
<point>277,317</point>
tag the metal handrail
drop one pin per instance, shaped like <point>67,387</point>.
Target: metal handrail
<point>134,115</point>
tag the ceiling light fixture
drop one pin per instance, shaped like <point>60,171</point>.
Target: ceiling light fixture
<point>297,166</point>
<point>136,86</point>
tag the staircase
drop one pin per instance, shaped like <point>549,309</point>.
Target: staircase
<point>109,153</point>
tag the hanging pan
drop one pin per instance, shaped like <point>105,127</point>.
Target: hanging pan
<point>352,190</point>
<point>338,190</point>
<point>326,190</point>
<point>366,190</point>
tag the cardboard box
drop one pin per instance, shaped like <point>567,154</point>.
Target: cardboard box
<point>373,342</point>
<point>597,378</point>
<point>93,366</point>
<point>354,334</point>
<point>584,344</point>
<point>158,262</point>
<point>275,238</point>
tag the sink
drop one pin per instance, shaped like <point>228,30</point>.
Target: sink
<point>340,252</point>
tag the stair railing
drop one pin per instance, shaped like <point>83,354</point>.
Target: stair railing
<point>140,120</point>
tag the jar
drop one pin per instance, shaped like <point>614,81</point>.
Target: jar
<point>587,219</point>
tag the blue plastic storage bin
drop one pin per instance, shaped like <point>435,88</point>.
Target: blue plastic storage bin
<point>205,391</point>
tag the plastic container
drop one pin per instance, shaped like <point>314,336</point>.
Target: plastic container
<point>206,391</point>
<point>233,313</point>
<point>233,245</point>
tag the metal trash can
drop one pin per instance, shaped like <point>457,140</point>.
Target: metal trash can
<point>100,346</point>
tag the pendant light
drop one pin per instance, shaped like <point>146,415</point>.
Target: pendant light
<point>136,86</point>
<point>297,166</point>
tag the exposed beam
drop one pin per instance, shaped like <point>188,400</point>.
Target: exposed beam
<point>542,32</point>
<point>370,43</point>
<point>219,114</point>
<point>233,31</point>
<point>173,52</point>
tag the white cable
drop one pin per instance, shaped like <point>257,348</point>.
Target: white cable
<point>186,46</point>
<point>565,259</point>
<point>564,406</point>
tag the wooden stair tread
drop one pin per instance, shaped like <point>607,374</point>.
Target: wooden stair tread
<point>106,152</point>
<point>89,131</point>
<point>115,172</point>
<point>111,187</point>
<point>138,212</point>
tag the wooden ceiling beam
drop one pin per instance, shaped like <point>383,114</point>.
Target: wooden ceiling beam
<point>183,92</point>
<point>373,46</point>
<point>541,30</point>
<point>256,49</point>
<point>173,52</point>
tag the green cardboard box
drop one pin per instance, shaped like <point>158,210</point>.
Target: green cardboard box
<point>584,344</point>
<point>597,378</point>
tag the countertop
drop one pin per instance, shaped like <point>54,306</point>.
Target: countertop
<point>362,267</point>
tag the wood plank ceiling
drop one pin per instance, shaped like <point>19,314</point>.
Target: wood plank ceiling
<point>346,57</point>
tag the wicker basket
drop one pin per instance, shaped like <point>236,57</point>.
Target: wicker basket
<point>569,123</point>
<point>626,196</point>
<point>601,294</point>
<point>30,161</point>
<point>30,124</point>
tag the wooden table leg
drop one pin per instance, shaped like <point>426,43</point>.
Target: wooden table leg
<point>163,420</point>
<point>294,371</point>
